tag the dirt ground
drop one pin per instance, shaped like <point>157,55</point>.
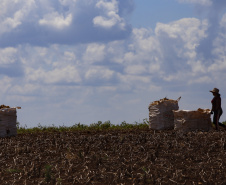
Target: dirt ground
<point>114,157</point>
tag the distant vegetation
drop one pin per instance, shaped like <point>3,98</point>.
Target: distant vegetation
<point>107,125</point>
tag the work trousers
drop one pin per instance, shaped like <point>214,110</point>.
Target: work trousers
<point>216,117</point>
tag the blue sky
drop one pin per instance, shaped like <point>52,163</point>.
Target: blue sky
<point>148,12</point>
<point>71,61</point>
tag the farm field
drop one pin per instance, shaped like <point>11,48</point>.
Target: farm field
<point>135,155</point>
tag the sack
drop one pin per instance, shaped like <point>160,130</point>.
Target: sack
<point>161,113</point>
<point>185,120</point>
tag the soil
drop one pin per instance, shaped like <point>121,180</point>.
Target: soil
<point>114,157</point>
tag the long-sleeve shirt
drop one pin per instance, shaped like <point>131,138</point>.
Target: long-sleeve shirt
<point>216,103</point>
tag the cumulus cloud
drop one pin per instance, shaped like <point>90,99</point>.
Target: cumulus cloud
<point>39,22</point>
<point>166,54</point>
<point>94,53</point>
<point>97,73</point>
<point>135,69</point>
<point>6,84</point>
<point>178,41</point>
<point>65,75</point>
<point>212,10</point>
<point>8,55</point>
<point>56,21</point>
<point>82,57</point>
<point>169,46</point>
<point>10,65</point>
<point>13,13</point>
<point>111,18</point>
<point>209,55</point>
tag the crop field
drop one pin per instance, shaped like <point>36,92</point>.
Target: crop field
<point>112,155</point>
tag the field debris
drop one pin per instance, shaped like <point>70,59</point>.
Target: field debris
<point>137,156</point>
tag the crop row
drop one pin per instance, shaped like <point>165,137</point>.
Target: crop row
<point>130,156</point>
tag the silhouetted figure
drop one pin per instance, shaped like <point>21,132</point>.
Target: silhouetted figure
<point>216,108</point>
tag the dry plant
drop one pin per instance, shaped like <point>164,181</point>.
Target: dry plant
<point>132,156</point>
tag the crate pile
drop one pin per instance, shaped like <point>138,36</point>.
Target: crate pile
<point>165,114</point>
<point>8,121</point>
<point>188,120</point>
<point>161,114</point>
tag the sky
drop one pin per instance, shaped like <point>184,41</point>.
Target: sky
<point>83,61</point>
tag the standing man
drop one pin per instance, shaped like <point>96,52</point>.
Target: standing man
<point>216,108</point>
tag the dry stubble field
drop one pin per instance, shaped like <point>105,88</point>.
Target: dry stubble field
<point>132,156</point>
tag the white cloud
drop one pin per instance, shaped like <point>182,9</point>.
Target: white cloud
<point>25,89</point>
<point>104,22</point>
<point>67,74</point>
<point>130,57</point>
<point>154,88</point>
<point>218,62</point>
<point>105,89</point>
<point>135,69</point>
<point>47,22</point>
<point>178,43</point>
<point>68,2</point>
<point>155,68</point>
<point>201,2</point>
<point>65,61</point>
<point>99,73</point>
<point>111,17</point>
<point>188,29</point>
<point>134,79</point>
<point>94,53</point>
<point>108,5</point>
<point>115,51</point>
<point>145,40</point>
<point>197,67</point>
<point>69,56</point>
<point>6,84</point>
<point>223,21</point>
<point>200,80</point>
<point>13,13</point>
<point>218,66</point>
<point>8,55</point>
<point>56,20</point>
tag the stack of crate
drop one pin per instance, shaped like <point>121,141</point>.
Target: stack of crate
<point>164,114</point>
<point>8,121</point>
<point>161,115</point>
<point>187,120</point>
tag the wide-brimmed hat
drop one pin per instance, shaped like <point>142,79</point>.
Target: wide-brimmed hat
<point>215,90</point>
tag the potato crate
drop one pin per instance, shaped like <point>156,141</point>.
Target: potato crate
<point>187,120</point>
<point>161,115</point>
<point>8,120</point>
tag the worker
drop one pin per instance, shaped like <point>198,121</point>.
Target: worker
<point>216,108</point>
